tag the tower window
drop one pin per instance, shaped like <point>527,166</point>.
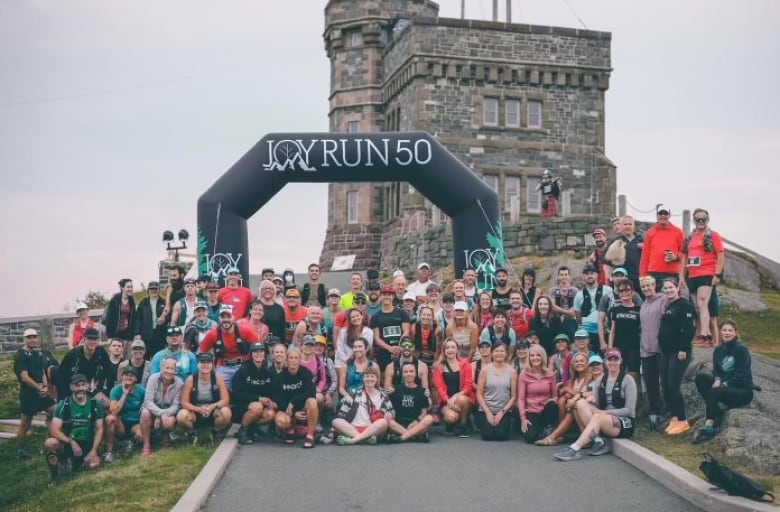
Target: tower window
<point>534,114</point>
<point>512,189</point>
<point>353,126</point>
<point>512,113</point>
<point>490,112</point>
<point>352,207</point>
<point>355,39</point>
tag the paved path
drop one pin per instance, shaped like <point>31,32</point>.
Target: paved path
<point>449,474</point>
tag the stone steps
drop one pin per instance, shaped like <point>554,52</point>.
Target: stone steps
<point>9,427</point>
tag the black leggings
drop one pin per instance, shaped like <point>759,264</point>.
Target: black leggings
<point>672,374</point>
<point>651,369</point>
<point>540,420</point>
<point>498,433</point>
<point>730,397</point>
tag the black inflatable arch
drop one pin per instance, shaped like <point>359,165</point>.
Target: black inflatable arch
<point>282,158</point>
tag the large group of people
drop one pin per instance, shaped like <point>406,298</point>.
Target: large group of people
<point>391,361</point>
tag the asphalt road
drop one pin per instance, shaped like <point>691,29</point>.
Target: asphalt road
<point>449,474</point>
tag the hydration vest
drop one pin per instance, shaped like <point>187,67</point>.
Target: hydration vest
<point>219,345</point>
<point>493,339</point>
<point>587,303</point>
<point>67,422</point>
<point>618,400</point>
<point>214,389</point>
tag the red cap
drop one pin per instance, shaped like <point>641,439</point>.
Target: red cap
<point>387,289</point>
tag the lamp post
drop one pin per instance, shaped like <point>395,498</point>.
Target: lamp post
<point>167,238</point>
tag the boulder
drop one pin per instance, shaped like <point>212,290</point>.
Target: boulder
<point>742,272</point>
<point>744,300</point>
<point>748,434</point>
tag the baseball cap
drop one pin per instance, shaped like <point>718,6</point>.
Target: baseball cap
<point>292,292</point>
<point>562,337</point>
<point>225,308</point>
<point>662,208</point>
<point>589,268</point>
<point>581,333</point>
<point>273,340</point>
<point>449,298</point>
<point>432,287</point>
<point>410,296</point>
<point>522,344</point>
<point>334,292</point>
<point>399,273</point>
<point>138,344</point>
<point>91,333</point>
<point>205,357</point>
<point>233,270</point>
<point>201,304</point>
<point>485,343</point>
<point>79,377</point>
<point>30,332</point>
<point>374,286</point>
<point>130,369</point>
<point>620,270</point>
<point>172,331</point>
<point>211,285</point>
<point>613,352</point>
<point>80,306</point>
<point>153,285</point>
<point>387,289</point>
<point>501,269</point>
<point>599,231</point>
<point>309,340</point>
<point>320,339</point>
<point>462,305</point>
<point>190,280</point>
<point>423,265</point>
<point>595,359</point>
<point>277,277</point>
<point>257,347</point>
<point>406,342</point>
<point>359,295</point>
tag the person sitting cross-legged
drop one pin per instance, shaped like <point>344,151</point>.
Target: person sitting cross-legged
<point>205,401</point>
<point>412,420</point>
<point>609,412</point>
<point>76,430</point>
<point>295,396</point>
<point>124,412</point>
<point>364,414</point>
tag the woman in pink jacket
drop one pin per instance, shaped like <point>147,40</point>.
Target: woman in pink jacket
<point>452,379</point>
<point>536,396</point>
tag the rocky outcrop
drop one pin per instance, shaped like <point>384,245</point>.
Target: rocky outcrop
<point>750,434</point>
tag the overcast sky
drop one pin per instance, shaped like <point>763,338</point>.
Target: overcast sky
<point>116,116</point>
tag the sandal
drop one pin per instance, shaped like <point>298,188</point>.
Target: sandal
<point>308,442</point>
<point>290,437</point>
<point>147,450</point>
<point>548,441</point>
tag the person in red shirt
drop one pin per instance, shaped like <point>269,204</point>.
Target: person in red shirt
<point>235,295</point>
<point>294,313</point>
<point>661,252</point>
<point>701,270</point>
<point>230,343</point>
<point>596,258</point>
<point>518,315</point>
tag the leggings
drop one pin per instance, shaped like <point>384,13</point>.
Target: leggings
<point>672,374</point>
<point>498,433</point>
<point>539,420</point>
<point>730,397</point>
<point>651,373</point>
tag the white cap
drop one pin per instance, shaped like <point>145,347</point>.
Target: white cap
<point>662,208</point>
<point>334,291</point>
<point>81,305</point>
<point>462,305</point>
<point>410,296</point>
<point>423,264</point>
<point>398,273</point>
<point>29,332</point>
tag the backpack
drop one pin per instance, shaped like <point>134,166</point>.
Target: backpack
<point>731,481</point>
<point>219,345</point>
<point>320,364</point>
<point>66,419</point>
<point>587,303</point>
<point>706,242</point>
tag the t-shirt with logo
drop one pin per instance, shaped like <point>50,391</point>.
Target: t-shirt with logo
<point>409,402</point>
<point>81,420</point>
<point>291,321</point>
<point>131,411</point>
<point>239,298</point>
<point>627,327</point>
<point>390,325</point>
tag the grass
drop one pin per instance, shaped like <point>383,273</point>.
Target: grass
<point>130,483</point>
<point>759,329</point>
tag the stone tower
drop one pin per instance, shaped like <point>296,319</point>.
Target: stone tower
<point>508,100</point>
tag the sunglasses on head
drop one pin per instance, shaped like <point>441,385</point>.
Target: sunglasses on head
<point>700,220</point>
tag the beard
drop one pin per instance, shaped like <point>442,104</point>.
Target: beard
<point>177,284</point>
<point>600,243</point>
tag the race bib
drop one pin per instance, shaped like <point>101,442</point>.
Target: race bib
<point>626,422</point>
<point>694,261</point>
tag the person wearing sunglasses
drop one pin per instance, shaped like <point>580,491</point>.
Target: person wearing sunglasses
<point>701,270</point>
<point>609,412</point>
<point>661,251</point>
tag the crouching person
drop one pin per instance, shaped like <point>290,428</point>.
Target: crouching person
<point>205,401</point>
<point>364,413</point>
<point>412,421</point>
<point>76,430</point>
<point>162,401</point>
<point>251,398</point>
<point>295,396</point>
<point>124,412</point>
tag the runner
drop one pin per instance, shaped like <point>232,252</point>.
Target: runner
<point>412,420</point>
<point>33,388</point>
<point>124,416</point>
<point>496,395</point>
<point>205,402</point>
<point>230,343</point>
<point>251,402</point>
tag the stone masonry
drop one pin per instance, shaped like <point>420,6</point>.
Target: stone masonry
<point>478,87</point>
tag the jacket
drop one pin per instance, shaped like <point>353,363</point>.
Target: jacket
<point>159,404</point>
<point>349,408</point>
<point>111,315</point>
<point>466,381</point>
<point>145,326</point>
<point>96,368</point>
<point>658,240</point>
<point>732,365</point>
<point>678,326</point>
<point>534,392</point>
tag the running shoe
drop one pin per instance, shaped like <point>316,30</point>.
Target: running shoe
<point>343,441</point>
<point>672,423</point>
<point>22,455</point>
<point>166,440</point>
<point>371,441</point>
<point>600,447</point>
<point>462,431</point>
<point>703,435</point>
<point>108,457</point>
<point>54,466</point>
<point>449,429</point>
<point>653,422</point>
<point>244,438</point>
<point>425,438</point>
<point>680,427</point>
<point>393,439</point>
<point>568,454</point>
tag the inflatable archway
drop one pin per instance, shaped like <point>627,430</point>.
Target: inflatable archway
<point>282,158</point>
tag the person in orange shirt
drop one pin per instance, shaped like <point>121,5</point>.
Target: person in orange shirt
<point>661,252</point>
<point>230,343</point>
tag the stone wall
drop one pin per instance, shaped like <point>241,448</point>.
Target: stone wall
<point>52,328</point>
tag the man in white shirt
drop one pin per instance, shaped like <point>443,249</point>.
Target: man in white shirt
<point>419,287</point>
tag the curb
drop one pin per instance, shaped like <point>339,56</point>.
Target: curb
<point>198,492</point>
<point>686,485</point>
